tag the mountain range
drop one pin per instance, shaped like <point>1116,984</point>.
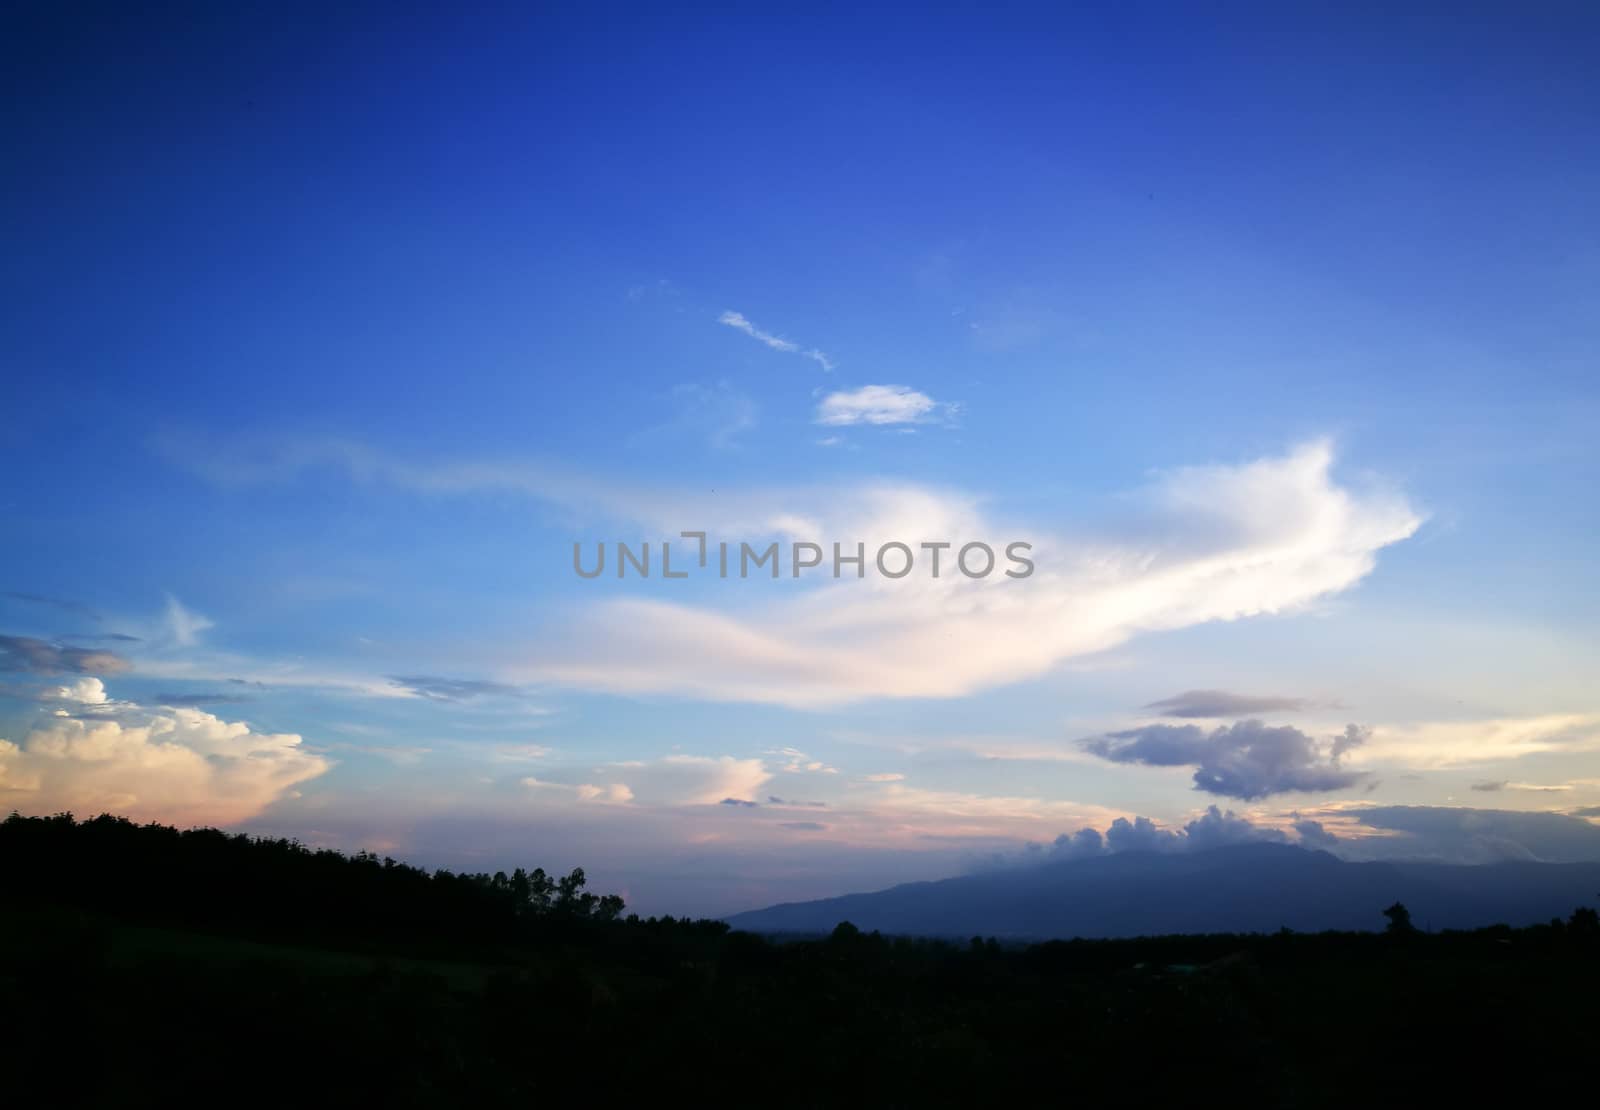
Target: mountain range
<point>1233,889</point>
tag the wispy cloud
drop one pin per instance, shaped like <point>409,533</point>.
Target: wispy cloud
<point>183,624</point>
<point>738,321</point>
<point>718,413</point>
<point>1469,835</point>
<point>449,689</point>
<point>1198,544</point>
<point>1214,543</point>
<point>880,405</point>
<point>1463,743</point>
<point>1220,703</point>
<point>77,609</point>
<point>1494,786</point>
<point>197,700</point>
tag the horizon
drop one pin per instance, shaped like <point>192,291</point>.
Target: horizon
<point>1009,436</point>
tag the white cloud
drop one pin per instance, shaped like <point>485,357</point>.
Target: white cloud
<point>674,780</point>
<point>777,343</point>
<point>613,793</point>
<point>85,691</point>
<point>1459,743</point>
<point>880,404</point>
<point>1204,544</point>
<point>182,766</point>
<point>1198,544</point>
<point>798,762</point>
<point>510,753</point>
<point>185,625</point>
<point>694,779</point>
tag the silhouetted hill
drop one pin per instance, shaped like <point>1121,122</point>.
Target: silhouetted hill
<point>1237,889</point>
<point>141,966</point>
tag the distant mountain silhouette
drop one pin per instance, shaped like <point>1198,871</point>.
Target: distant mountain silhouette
<point>1236,889</point>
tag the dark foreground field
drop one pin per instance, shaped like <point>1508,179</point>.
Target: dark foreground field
<point>139,966</point>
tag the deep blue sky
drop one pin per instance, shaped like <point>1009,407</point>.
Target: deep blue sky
<point>289,293</point>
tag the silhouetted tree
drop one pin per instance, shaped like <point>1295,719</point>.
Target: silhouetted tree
<point>1584,922</point>
<point>1399,919</point>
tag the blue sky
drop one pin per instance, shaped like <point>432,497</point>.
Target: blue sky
<point>328,334</point>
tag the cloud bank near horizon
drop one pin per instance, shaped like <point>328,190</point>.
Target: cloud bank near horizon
<point>176,764</point>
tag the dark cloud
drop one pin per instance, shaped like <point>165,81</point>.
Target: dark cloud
<point>1214,828</point>
<point>1220,703</point>
<point>1353,736</point>
<point>448,689</point>
<point>773,799</point>
<point>1493,785</point>
<point>197,700</point>
<point>1438,833</point>
<point>24,653</point>
<point>104,637</point>
<point>1139,835</point>
<point>1467,835</point>
<point>739,802</point>
<point>1084,842</point>
<point>1245,760</point>
<point>1313,835</point>
<point>805,826</point>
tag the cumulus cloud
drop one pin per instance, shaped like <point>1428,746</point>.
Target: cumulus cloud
<point>83,692</point>
<point>738,321</point>
<point>1084,842</point>
<point>1246,760</point>
<point>1214,828</point>
<point>880,404</point>
<point>1204,544</point>
<point>173,764</point>
<point>24,653</point>
<point>1220,703</point>
<point>1314,835</point>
